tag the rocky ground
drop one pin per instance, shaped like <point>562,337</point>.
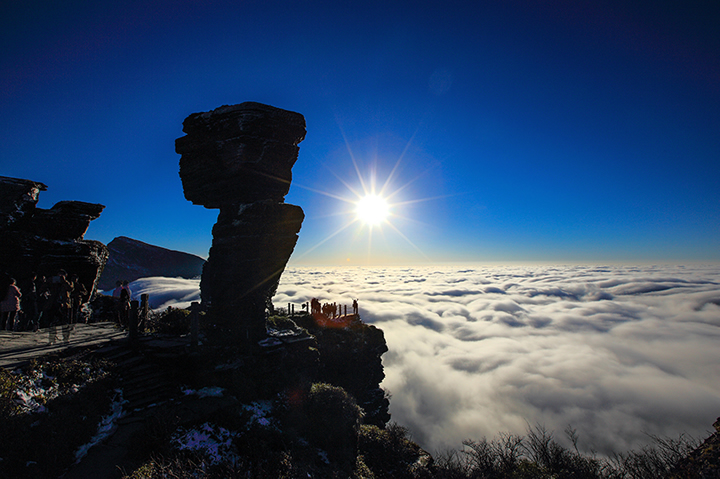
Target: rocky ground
<point>162,410</point>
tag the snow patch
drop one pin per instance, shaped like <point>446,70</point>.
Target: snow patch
<point>212,441</point>
<point>260,413</point>
<point>215,391</point>
<point>106,428</point>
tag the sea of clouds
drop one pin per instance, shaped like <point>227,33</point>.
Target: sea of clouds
<point>616,352</point>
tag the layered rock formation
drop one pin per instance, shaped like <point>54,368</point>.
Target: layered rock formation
<point>351,357</point>
<point>131,259</point>
<point>44,241</point>
<point>239,159</point>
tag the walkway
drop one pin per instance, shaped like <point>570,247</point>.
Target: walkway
<point>18,349</point>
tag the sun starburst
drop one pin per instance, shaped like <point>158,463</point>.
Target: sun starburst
<point>373,208</point>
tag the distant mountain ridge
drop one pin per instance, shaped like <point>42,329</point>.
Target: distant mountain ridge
<point>131,259</point>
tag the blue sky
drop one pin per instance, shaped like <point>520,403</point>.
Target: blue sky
<point>505,130</point>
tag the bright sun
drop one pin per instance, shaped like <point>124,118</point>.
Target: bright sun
<point>372,209</point>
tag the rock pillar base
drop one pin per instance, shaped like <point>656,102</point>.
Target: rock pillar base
<point>251,247</point>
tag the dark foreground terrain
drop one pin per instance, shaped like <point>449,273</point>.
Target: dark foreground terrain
<point>157,411</point>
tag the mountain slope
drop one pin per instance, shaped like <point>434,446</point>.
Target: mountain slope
<point>132,259</point>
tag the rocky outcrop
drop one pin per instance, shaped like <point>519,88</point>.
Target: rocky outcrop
<point>239,159</point>
<point>351,357</point>
<point>44,241</point>
<point>66,220</point>
<point>17,200</point>
<point>131,259</point>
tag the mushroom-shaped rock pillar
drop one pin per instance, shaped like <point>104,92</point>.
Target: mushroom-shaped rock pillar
<point>239,159</point>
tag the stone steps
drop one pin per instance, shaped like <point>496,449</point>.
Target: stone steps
<point>143,381</point>
<point>146,384</point>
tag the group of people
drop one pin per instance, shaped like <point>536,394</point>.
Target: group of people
<point>330,310</point>
<point>38,302</point>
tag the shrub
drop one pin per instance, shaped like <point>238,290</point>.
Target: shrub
<point>328,417</point>
<point>173,321</point>
<point>496,458</point>
<point>538,456</point>
<point>334,414</point>
<point>8,385</point>
<point>656,460</point>
<point>556,461</point>
<point>389,452</point>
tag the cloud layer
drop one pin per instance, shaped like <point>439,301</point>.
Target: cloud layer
<point>163,292</point>
<point>617,352</point>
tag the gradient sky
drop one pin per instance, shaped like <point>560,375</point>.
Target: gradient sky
<point>502,131</point>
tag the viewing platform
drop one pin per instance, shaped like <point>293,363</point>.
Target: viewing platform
<point>19,348</point>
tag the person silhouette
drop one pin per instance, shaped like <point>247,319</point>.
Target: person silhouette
<point>29,302</point>
<point>79,294</point>
<point>10,306</point>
